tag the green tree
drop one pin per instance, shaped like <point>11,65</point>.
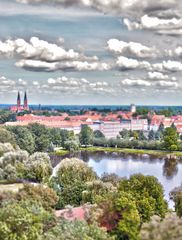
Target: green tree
<point>148,193</point>
<point>6,136</point>
<point>24,138</point>
<point>170,139</point>
<point>22,221</point>
<point>125,134</point>
<point>72,145</point>
<point>176,196</point>
<point>7,116</point>
<point>86,135</point>
<point>70,181</point>
<point>41,136</point>
<point>119,215</point>
<point>55,137</point>
<point>98,134</point>
<point>46,196</point>
<point>39,167</point>
<point>141,136</point>
<point>77,230</point>
<point>151,135</point>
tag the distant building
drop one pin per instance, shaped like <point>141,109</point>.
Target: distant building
<point>133,108</point>
<point>18,107</point>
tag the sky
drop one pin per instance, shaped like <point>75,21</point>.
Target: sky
<point>91,52</point>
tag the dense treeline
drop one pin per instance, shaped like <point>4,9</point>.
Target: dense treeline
<point>38,138</point>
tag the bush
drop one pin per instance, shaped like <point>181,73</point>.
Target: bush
<point>77,230</point>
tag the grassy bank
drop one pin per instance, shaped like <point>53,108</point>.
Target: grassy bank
<point>61,152</point>
<point>132,151</point>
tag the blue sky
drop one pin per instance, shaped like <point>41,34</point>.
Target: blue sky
<point>91,52</point>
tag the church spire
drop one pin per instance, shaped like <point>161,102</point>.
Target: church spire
<point>18,100</point>
<point>25,101</point>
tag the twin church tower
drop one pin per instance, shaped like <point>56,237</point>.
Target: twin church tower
<point>18,107</point>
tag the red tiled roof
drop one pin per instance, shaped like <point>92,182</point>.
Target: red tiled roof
<point>72,214</point>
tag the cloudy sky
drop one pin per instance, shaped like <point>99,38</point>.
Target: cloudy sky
<point>91,51</point>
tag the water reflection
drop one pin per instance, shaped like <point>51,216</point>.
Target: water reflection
<point>170,168</point>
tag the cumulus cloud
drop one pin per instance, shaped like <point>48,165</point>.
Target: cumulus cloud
<point>135,82</point>
<point>39,50</point>
<point>35,65</point>
<point>154,23</point>
<point>157,76</point>
<point>40,55</point>
<point>167,84</point>
<point>162,84</point>
<point>125,63</point>
<point>130,49</point>
<point>171,66</point>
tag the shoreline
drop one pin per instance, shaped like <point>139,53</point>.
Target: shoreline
<point>160,153</point>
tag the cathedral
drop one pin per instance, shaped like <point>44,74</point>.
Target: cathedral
<point>18,107</point>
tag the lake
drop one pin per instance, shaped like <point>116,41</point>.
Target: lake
<point>168,172</point>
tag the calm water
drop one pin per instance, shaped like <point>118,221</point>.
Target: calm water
<point>168,172</point>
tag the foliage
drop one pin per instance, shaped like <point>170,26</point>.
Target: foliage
<point>55,136</point>
<point>24,138</point>
<point>120,215</point>
<point>151,135</point>
<point>170,139</point>
<point>7,116</point>
<point>19,165</point>
<point>111,178</point>
<point>40,193</point>
<point>176,196</point>
<point>167,229</point>
<point>41,136</point>
<point>86,135</point>
<point>98,134</point>
<point>74,170</point>
<point>6,136</point>
<point>148,193</point>
<point>39,167</point>
<point>72,176</point>
<point>72,145</point>
<point>23,220</point>
<point>96,189</point>
<point>6,147</point>
<point>77,230</point>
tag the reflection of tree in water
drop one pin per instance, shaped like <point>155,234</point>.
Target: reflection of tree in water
<point>170,168</point>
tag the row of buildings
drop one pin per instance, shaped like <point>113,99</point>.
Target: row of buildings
<point>109,125</point>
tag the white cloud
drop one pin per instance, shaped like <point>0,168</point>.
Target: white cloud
<point>130,63</point>
<point>135,82</point>
<point>131,48</point>
<point>154,23</point>
<point>157,76</point>
<point>40,55</point>
<point>167,84</point>
<point>172,66</point>
<point>36,65</point>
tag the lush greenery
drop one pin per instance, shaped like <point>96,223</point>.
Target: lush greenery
<point>127,208</point>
